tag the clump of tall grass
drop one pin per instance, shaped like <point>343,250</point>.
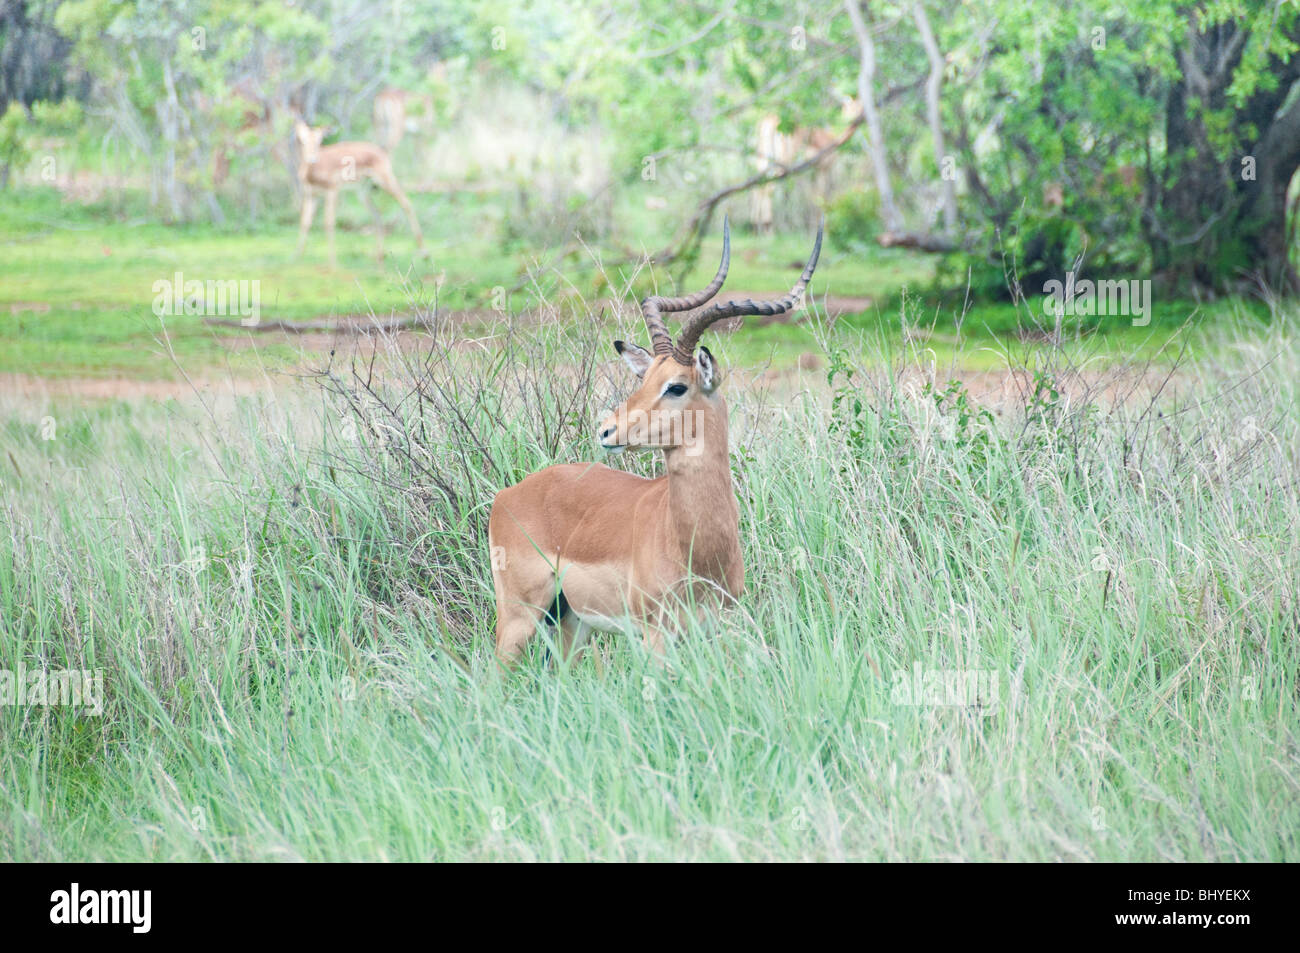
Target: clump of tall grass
<point>289,600</point>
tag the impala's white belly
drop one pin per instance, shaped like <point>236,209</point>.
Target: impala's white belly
<point>622,625</point>
<point>597,594</point>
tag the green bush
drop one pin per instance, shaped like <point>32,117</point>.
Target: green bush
<point>13,141</point>
<point>59,118</point>
<point>853,219</point>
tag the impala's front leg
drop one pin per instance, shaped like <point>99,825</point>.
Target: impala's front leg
<point>654,639</point>
<point>574,636</point>
<point>304,220</point>
<point>655,630</point>
<point>331,206</point>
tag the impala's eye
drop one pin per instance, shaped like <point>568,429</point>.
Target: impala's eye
<point>675,390</point>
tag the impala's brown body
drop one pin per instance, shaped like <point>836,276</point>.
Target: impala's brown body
<point>614,544</point>
<point>326,169</point>
<point>585,545</point>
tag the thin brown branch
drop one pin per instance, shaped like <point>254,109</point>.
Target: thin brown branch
<point>370,326</point>
<point>921,241</point>
<point>704,211</point>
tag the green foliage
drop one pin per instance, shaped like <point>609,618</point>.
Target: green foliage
<point>853,219</point>
<point>1068,99</point>
<point>965,423</point>
<point>848,412</point>
<point>14,150</point>
<point>865,429</point>
<point>64,117</point>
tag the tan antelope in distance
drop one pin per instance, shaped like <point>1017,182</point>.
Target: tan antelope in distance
<point>585,546</point>
<point>326,169</point>
<point>777,151</point>
<point>390,118</point>
<point>255,118</point>
<point>392,110</point>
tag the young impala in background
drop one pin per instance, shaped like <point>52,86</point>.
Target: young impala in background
<point>583,545</point>
<point>326,169</point>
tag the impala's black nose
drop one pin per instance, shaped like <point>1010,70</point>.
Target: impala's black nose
<point>606,434</point>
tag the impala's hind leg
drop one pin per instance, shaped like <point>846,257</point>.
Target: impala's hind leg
<point>388,182</point>
<point>515,626</point>
<point>525,591</point>
<point>379,222</point>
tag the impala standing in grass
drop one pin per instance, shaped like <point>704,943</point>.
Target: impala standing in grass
<point>326,169</point>
<point>583,545</point>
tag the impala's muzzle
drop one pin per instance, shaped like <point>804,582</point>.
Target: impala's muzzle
<point>626,428</point>
<point>608,437</point>
<point>655,428</point>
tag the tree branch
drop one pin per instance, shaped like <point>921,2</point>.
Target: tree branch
<point>688,41</point>
<point>690,235</point>
<point>368,326</point>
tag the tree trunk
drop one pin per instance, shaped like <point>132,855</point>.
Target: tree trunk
<point>867,96</point>
<point>1260,223</point>
<point>169,116</point>
<point>1219,224</point>
<point>934,117</point>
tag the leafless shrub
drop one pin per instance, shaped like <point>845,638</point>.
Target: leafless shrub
<point>437,423</point>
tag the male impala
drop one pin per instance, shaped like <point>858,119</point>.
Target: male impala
<point>326,169</point>
<point>588,546</point>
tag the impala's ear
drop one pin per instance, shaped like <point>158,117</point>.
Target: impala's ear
<point>637,358</point>
<point>707,374</point>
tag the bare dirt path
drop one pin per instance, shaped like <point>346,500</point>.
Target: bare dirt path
<point>128,388</point>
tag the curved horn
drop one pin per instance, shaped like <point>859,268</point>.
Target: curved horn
<point>694,326</point>
<point>653,306</point>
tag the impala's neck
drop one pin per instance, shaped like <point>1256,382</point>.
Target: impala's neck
<point>701,504</point>
<point>305,167</point>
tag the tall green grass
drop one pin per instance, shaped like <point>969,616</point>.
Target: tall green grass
<point>289,602</point>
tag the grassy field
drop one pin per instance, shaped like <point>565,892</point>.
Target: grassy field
<point>286,599</point>
<point>76,288</point>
